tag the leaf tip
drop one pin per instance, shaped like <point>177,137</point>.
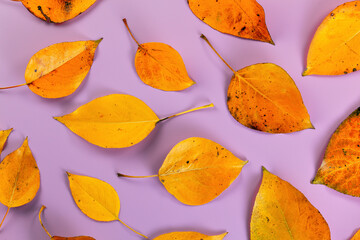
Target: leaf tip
<point>316,180</point>
<point>306,72</point>
<point>68,174</point>
<point>271,42</point>
<point>264,169</point>
<point>97,42</point>
<point>203,37</point>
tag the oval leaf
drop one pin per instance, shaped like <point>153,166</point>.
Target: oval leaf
<point>189,236</point>
<point>96,199</point>
<point>116,121</point>
<point>58,70</point>
<point>56,11</point>
<point>4,134</point>
<point>335,47</point>
<point>356,236</point>
<point>339,169</point>
<point>19,177</point>
<point>245,19</point>
<point>283,212</point>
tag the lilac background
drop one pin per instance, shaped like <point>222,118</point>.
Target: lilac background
<point>145,203</point>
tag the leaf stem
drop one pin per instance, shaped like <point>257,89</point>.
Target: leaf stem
<point>5,216</point>
<point>208,42</point>
<point>132,229</point>
<point>20,85</point>
<point>128,176</point>
<point>188,111</point>
<point>41,210</point>
<point>127,27</point>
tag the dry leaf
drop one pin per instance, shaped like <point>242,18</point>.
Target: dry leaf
<point>58,70</point>
<point>160,66</point>
<point>96,199</point>
<point>4,134</point>
<point>56,11</point>
<point>189,236</point>
<point>241,18</point>
<point>335,47</point>
<point>19,178</point>
<point>265,98</point>
<point>198,170</point>
<point>283,212</point>
<point>61,238</point>
<point>340,167</point>
<point>114,121</point>
<point>356,236</point>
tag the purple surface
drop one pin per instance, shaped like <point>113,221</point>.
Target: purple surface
<point>146,205</point>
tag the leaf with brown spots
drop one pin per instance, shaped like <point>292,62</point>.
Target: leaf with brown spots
<point>198,170</point>
<point>55,11</point>
<point>58,70</point>
<point>115,121</point>
<point>356,236</point>
<point>189,236</point>
<point>340,167</point>
<point>19,178</point>
<point>160,66</point>
<point>283,212</point>
<point>335,48</point>
<point>265,98</point>
<point>4,134</point>
<point>57,237</point>
<point>241,18</point>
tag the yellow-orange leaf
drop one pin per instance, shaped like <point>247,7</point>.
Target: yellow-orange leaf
<point>356,236</point>
<point>241,18</point>
<point>283,212</point>
<point>264,97</point>
<point>114,121</point>
<point>189,236</point>
<point>335,47</point>
<point>197,170</point>
<point>161,66</point>
<point>4,134</point>
<point>56,11</point>
<point>340,167</point>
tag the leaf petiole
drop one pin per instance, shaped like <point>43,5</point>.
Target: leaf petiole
<point>4,217</point>
<point>128,176</point>
<point>188,111</point>
<point>20,85</point>
<point>132,229</point>
<point>41,210</point>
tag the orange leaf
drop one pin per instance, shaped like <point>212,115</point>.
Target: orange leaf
<point>340,167</point>
<point>4,134</point>
<point>356,236</point>
<point>241,18</point>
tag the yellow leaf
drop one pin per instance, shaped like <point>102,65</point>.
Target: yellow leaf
<point>58,70</point>
<point>96,199</point>
<point>335,47</point>
<point>57,237</point>
<point>283,212</point>
<point>114,121</point>
<point>19,178</point>
<point>189,236</point>
<point>56,11</point>
<point>4,134</point>
<point>241,18</point>
<point>356,236</point>
<point>265,98</point>
<point>198,170</point>
<point>160,66</point>
<point>340,167</point>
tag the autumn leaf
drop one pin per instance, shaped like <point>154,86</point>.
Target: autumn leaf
<point>114,121</point>
<point>4,134</point>
<point>19,178</point>
<point>283,212</point>
<point>265,98</point>
<point>241,18</point>
<point>160,66</point>
<point>96,199</point>
<point>189,236</point>
<point>340,167</point>
<point>55,11</point>
<point>61,238</point>
<point>335,47</point>
<point>58,70</point>
<point>197,170</point>
<point>356,236</point>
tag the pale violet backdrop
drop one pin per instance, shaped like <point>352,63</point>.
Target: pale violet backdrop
<point>145,204</point>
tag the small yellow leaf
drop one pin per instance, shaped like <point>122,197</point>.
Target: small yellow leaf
<point>161,66</point>
<point>356,236</point>
<point>283,212</point>
<point>189,236</point>
<point>114,121</point>
<point>335,47</point>
<point>241,18</point>
<point>56,11</point>
<point>4,134</point>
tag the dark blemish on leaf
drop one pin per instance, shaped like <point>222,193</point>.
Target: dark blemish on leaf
<point>345,72</point>
<point>243,29</point>
<point>187,162</point>
<point>354,69</point>
<point>45,16</point>
<point>67,5</point>
<point>35,70</point>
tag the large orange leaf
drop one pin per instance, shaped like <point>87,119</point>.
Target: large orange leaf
<point>241,18</point>
<point>335,48</point>
<point>56,11</point>
<point>283,212</point>
<point>264,97</point>
<point>340,167</point>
